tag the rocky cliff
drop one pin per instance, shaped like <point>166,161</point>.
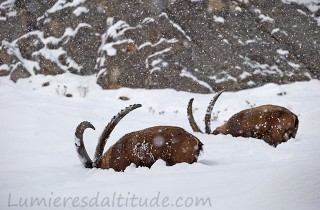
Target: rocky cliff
<point>190,45</point>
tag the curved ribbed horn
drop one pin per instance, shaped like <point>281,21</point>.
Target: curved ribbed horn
<point>207,117</point>
<point>109,128</point>
<point>80,148</point>
<point>192,122</point>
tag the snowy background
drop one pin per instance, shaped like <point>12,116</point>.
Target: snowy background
<point>190,45</point>
<point>39,159</point>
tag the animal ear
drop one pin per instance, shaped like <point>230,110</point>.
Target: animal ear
<point>192,122</point>
<point>207,117</point>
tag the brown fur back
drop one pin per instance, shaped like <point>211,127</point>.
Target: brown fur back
<point>273,124</point>
<point>144,147</point>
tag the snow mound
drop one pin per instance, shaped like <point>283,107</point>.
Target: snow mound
<point>40,165</point>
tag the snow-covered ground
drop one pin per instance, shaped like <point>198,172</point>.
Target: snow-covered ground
<point>39,164</point>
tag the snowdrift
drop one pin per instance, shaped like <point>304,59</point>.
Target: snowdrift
<point>40,168</point>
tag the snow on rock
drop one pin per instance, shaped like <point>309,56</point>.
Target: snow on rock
<point>50,54</point>
<point>8,7</point>
<point>185,73</point>
<point>12,49</point>
<point>262,69</point>
<point>80,10</point>
<point>153,44</point>
<point>161,40</point>
<point>294,65</point>
<point>218,19</point>
<point>111,51</point>
<point>265,18</point>
<point>155,54</point>
<point>62,4</point>
<point>244,75</point>
<point>313,5</point>
<point>118,29</point>
<point>177,26</point>
<point>223,77</point>
<point>282,52</point>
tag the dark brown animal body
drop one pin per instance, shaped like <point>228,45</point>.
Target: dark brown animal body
<point>274,124</point>
<point>143,148</point>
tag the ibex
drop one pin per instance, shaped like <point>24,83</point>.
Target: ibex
<point>143,148</point>
<point>273,124</point>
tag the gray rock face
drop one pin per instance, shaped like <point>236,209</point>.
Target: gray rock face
<point>190,45</point>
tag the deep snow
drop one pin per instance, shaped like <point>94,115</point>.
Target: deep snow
<point>39,160</point>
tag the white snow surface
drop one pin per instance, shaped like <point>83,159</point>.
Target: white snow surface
<point>39,160</point>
